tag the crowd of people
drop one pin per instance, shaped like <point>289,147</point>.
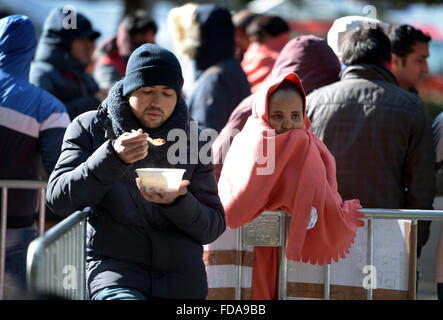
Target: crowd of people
<point>340,121</point>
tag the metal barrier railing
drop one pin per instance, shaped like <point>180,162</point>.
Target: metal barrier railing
<point>252,234</point>
<point>17,184</point>
<point>56,262</point>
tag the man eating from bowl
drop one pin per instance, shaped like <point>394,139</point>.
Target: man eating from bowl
<point>140,244</point>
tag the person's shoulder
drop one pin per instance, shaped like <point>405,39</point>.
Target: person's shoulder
<point>87,118</point>
<point>42,68</point>
<point>227,74</point>
<point>438,119</point>
<point>327,88</point>
<point>29,98</point>
<point>43,74</point>
<point>48,98</point>
<point>407,95</point>
<point>396,95</point>
<point>49,107</point>
<point>85,123</point>
<point>225,68</point>
<point>325,92</point>
<point>244,107</point>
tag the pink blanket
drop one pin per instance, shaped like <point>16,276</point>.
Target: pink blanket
<point>295,172</point>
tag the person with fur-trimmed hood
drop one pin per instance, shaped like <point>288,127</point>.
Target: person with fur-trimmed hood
<point>205,34</point>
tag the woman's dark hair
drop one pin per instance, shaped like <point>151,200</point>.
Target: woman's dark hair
<point>266,25</point>
<point>287,85</point>
<point>139,21</point>
<point>404,37</point>
<point>366,45</point>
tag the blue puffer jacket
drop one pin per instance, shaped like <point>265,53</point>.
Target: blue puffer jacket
<point>221,83</point>
<point>156,249</point>
<point>57,71</point>
<point>32,121</point>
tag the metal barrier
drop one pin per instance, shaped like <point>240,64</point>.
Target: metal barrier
<point>271,229</point>
<point>56,262</point>
<point>17,184</point>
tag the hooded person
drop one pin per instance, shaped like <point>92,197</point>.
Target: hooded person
<point>300,181</point>
<point>32,125</point>
<point>310,58</point>
<point>205,35</point>
<point>60,63</point>
<point>140,244</point>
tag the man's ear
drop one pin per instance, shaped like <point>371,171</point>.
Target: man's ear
<point>397,61</point>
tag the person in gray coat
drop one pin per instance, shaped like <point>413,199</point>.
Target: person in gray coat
<point>140,245</point>
<point>379,133</point>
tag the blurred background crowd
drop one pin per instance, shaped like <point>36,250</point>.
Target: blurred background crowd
<point>302,16</point>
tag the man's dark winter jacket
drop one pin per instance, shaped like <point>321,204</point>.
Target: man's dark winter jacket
<point>131,242</point>
<point>57,71</point>
<point>380,136</point>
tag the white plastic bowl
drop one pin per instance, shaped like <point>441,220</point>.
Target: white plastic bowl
<point>166,179</point>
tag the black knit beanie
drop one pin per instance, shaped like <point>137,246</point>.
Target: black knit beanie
<point>152,65</point>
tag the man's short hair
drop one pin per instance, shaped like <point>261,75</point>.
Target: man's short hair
<point>270,25</point>
<point>366,45</point>
<point>243,18</point>
<point>139,21</point>
<point>403,38</point>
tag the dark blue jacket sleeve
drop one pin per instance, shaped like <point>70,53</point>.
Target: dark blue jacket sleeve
<point>199,213</point>
<point>54,122</point>
<point>82,175</point>
<point>50,145</point>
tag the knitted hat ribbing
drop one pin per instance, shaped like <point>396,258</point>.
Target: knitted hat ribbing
<point>152,65</point>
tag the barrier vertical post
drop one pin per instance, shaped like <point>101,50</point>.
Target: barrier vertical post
<point>83,259</point>
<point>3,239</point>
<point>370,252</point>
<point>42,211</point>
<point>412,270</point>
<point>238,264</point>
<point>283,273</point>
<point>327,282</point>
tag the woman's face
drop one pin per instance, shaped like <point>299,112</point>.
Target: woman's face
<point>153,105</point>
<point>285,111</point>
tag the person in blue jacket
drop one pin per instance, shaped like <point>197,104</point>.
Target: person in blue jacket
<point>32,124</point>
<point>60,63</point>
<point>140,245</point>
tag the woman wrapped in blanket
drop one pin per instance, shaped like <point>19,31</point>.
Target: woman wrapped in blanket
<point>297,175</point>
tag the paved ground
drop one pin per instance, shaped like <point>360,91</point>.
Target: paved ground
<point>427,288</point>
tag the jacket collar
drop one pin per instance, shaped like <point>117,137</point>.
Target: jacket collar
<point>368,71</point>
<point>118,118</point>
